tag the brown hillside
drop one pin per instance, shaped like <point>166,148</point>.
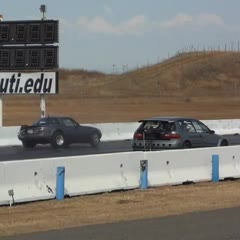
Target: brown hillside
<point>202,85</point>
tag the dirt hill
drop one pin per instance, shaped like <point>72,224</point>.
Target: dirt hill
<point>205,85</point>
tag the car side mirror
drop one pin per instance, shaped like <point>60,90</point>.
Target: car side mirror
<point>211,131</point>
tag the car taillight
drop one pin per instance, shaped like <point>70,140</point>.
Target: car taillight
<point>169,136</point>
<point>138,136</point>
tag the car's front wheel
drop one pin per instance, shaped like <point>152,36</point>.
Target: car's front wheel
<point>58,140</point>
<point>94,139</point>
<point>224,143</point>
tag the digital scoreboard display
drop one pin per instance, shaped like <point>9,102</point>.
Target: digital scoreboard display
<point>30,57</point>
<point>29,32</point>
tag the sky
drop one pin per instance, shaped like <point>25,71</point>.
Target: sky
<point>116,36</point>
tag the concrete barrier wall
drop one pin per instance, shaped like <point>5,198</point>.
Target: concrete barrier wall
<point>36,179</point>
<point>100,173</point>
<point>4,197</point>
<point>30,180</point>
<point>116,131</point>
<point>122,131</point>
<point>8,136</point>
<point>176,167</point>
<point>224,126</point>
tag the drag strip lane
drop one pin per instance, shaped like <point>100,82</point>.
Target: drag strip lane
<point>46,151</point>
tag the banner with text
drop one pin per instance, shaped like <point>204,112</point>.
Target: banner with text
<point>29,83</point>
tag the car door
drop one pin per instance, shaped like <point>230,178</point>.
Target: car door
<point>209,138</point>
<point>79,133</point>
<point>190,133</point>
<point>72,129</point>
<point>83,134</point>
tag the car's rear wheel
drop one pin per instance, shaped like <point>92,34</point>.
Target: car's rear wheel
<point>94,139</point>
<point>28,144</point>
<point>187,144</point>
<point>58,140</point>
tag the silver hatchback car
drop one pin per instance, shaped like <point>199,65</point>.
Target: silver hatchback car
<point>174,133</point>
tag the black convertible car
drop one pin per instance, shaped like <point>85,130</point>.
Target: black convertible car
<point>59,132</point>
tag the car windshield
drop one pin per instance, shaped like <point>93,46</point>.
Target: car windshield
<point>41,121</point>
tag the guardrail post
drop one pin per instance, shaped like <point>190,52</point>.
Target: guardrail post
<point>215,168</point>
<point>144,174</point>
<point>60,183</point>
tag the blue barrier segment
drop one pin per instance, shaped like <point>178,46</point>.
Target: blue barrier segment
<point>60,183</point>
<point>215,168</point>
<point>144,174</point>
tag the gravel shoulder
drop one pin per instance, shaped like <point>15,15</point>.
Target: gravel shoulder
<point>118,206</point>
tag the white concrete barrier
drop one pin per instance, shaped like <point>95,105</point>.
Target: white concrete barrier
<point>4,197</point>
<point>229,159</point>
<point>30,180</point>
<point>192,165</point>
<point>8,136</point>
<point>108,172</point>
<point>178,166</point>
<point>224,126</point>
<point>100,173</point>
<point>83,174</point>
<point>116,131</point>
<point>123,131</point>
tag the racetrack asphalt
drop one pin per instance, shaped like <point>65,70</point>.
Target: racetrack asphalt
<point>12,153</point>
<point>214,225</point>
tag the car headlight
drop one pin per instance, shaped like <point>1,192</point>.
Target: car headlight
<point>38,130</point>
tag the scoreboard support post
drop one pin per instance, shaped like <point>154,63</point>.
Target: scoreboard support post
<point>43,106</point>
<point>1,111</point>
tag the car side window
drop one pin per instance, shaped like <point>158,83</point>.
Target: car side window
<point>69,122</point>
<point>53,121</point>
<point>200,127</point>
<point>187,126</point>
